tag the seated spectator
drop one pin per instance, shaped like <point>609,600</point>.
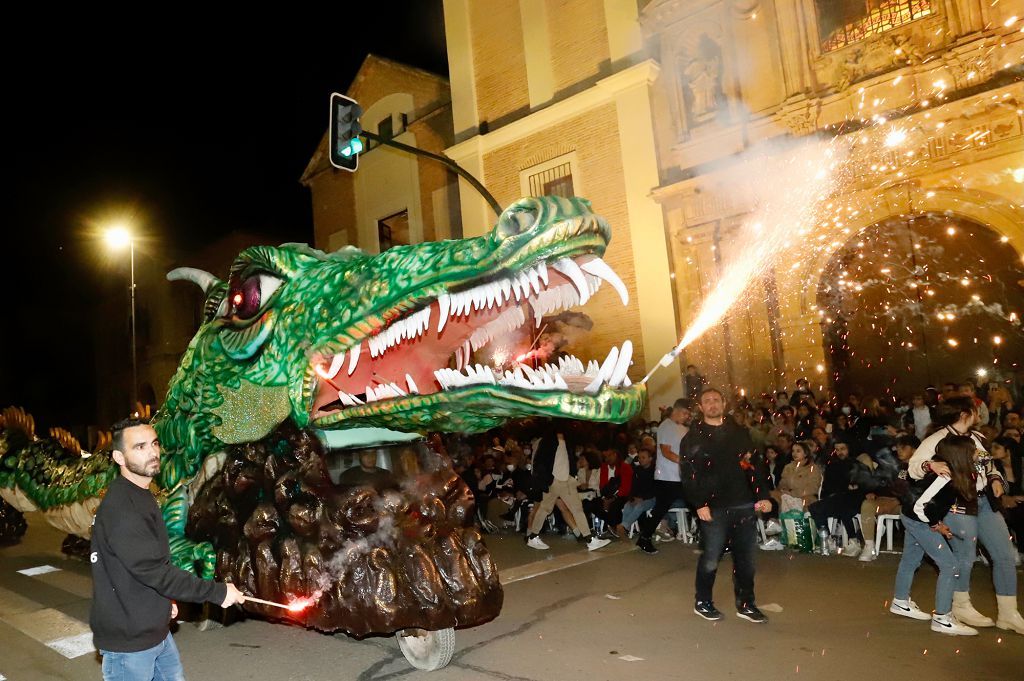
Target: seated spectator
<point>918,417</point>
<point>588,482</point>
<point>803,393</point>
<point>1012,501</point>
<point>801,478</point>
<point>821,438</point>
<point>642,499</point>
<point>775,461</point>
<point>884,483</point>
<point>840,499</point>
<point>783,424</point>
<point>804,424</point>
<point>521,491</point>
<point>490,502</point>
<point>616,488</point>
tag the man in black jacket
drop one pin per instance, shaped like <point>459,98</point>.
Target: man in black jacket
<point>133,577</point>
<point>727,485</point>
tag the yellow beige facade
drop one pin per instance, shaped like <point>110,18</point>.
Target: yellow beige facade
<point>645,104</point>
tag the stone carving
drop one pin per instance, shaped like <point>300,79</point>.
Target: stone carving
<point>872,57</point>
<point>702,81</point>
<point>700,78</point>
<point>801,116</point>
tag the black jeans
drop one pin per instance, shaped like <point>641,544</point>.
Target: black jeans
<point>735,525</point>
<point>666,493</point>
<point>843,506</point>
<point>612,515</point>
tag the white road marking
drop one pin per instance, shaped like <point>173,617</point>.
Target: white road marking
<point>41,570</point>
<point>73,646</point>
<point>58,631</point>
<point>563,562</point>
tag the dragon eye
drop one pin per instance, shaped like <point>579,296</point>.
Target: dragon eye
<point>245,299</point>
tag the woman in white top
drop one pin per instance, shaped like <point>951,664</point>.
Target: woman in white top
<point>958,416</point>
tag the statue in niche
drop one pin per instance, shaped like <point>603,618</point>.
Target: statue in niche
<point>701,81</point>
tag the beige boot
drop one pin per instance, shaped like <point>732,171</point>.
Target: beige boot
<point>965,612</point>
<point>1009,617</point>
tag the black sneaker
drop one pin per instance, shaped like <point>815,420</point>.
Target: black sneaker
<point>707,610</point>
<point>750,612</point>
<point>647,546</point>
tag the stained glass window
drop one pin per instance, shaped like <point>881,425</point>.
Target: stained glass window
<point>841,22</point>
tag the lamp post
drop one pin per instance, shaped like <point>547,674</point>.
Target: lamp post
<point>118,237</point>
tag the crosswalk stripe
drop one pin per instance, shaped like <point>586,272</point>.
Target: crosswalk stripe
<point>41,570</point>
<point>58,631</point>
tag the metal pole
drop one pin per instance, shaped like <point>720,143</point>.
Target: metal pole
<point>462,172</point>
<point>135,376</point>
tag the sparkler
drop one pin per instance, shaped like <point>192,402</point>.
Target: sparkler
<point>297,605</point>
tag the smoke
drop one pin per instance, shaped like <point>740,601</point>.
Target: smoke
<point>386,507</point>
<point>788,183</point>
<point>563,330</point>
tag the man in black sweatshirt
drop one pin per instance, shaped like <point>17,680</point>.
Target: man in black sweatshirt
<point>132,574</point>
<point>727,485</point>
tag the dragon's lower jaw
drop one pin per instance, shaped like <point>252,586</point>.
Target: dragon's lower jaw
<point>480,407</point>
<point>418,368</point>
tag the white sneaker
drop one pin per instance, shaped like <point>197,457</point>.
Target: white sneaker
<point>852,548</point>
<point>594,544</point>
<point>537,543</point>
<point>772,527</point>
<point>908,608</point>
<point>868,554</point>
<point>772,544</point>
<point>949,625</point>
<point>664,536</point>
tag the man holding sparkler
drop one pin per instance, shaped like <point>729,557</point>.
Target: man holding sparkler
<point>133,577</point>
<point>727,485</point>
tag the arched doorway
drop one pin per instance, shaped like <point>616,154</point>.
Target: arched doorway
<point>923,300</point>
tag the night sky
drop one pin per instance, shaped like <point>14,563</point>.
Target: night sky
<point>199,127</point>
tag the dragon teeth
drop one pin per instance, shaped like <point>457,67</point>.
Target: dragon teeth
<point>618,374</point>
<point>599,268</point>
<point>353,357</point>
<point>569,268</point>
<point>411,385</point>
<point>334,368</point>
<point>604,373</point>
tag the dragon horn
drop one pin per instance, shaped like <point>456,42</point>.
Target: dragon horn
<point>204,279</point>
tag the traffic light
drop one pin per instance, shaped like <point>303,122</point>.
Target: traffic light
<point>344,139</point>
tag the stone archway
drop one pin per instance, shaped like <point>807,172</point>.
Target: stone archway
<point>920,299</point>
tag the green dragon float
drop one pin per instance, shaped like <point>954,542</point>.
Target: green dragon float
<point>305,359</point>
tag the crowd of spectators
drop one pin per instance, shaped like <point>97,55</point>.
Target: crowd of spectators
<point>840,459</point>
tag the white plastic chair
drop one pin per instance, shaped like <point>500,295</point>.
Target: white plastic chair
<point>683,524</point>
<point>886,530</point>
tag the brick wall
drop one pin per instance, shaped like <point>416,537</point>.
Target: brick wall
<point>594,136</point>
<point>498,61</point>
<point>579,41</point>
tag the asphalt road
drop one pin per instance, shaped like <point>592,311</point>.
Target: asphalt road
<point>613,614</point>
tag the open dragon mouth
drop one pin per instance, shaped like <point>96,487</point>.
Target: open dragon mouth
<point>429,350</point>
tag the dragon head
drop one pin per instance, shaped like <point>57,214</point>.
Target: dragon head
<point>347,340</point>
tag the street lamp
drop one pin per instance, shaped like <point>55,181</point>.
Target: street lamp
<point>117,237</point>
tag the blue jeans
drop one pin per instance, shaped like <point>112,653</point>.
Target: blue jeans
<point>631,512</point>
<point>989,527</point>
<point>737,524</point>
<point>920,540</point>
<point>159,663</point>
